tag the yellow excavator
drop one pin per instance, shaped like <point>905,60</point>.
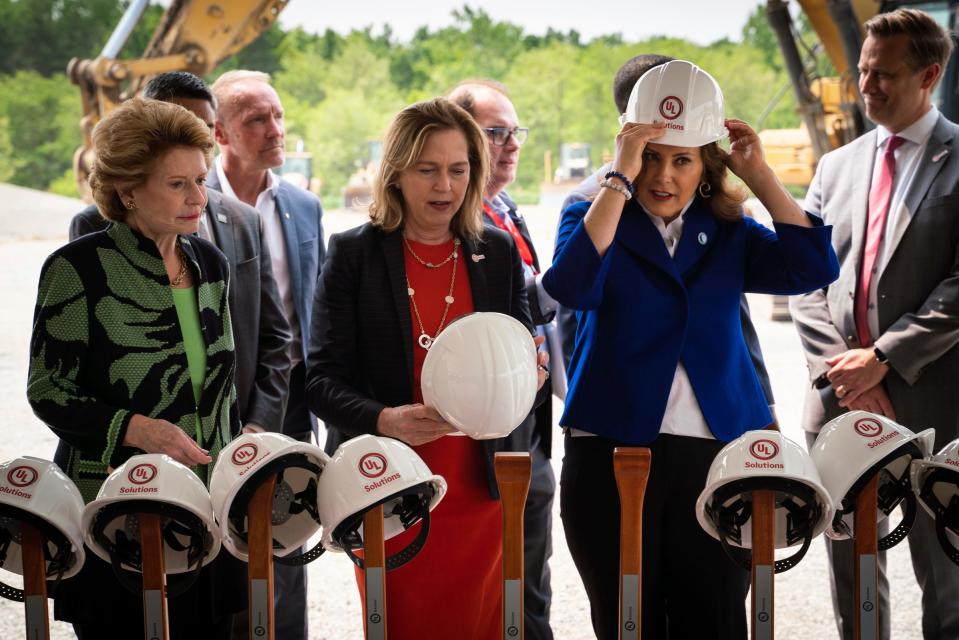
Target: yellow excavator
<point>193,35</point>
<point>831,108</point>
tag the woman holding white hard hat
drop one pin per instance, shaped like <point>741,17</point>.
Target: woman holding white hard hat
<point>388,295</point>
<point>655,266</point>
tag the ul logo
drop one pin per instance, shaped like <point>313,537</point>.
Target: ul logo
<point>671,107</point>
<point>372,465</point>
<point>22,476</point>
<point>868,427</point>
<point>142,473</point>
<point>764,449</point>
<point>244,454</point>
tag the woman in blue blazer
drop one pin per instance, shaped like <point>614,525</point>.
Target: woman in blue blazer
<point>655,266</point>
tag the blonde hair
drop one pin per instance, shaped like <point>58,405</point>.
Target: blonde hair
<point>402,149</point>
<point>223,89</point>
<point>129,141</point>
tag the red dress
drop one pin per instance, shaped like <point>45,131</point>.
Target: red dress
<point>452,589</point>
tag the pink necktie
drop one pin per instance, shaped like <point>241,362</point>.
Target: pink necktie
<point>879,196</point>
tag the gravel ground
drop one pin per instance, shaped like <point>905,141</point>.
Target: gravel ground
<point>34,224</point>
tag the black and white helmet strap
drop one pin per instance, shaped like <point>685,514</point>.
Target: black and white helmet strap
<point>57,563</point>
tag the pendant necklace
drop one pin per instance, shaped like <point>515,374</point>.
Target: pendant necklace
<point>425,340</point>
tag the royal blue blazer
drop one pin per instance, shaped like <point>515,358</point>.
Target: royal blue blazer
<point>642,312</point>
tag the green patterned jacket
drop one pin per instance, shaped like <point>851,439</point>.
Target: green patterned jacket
<point>107,344</point>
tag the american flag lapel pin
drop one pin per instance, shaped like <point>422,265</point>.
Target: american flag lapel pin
<point>939,156</point>
<point>478,256</point>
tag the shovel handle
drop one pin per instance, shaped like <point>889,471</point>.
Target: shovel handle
<point>374,569</point>
<point>34,583</point>
<point>763,563</point>
<point>155,617</point>
<point>631,468</point>
<point>259,517</point>
<point>866,531</point>
<point>513,472</point>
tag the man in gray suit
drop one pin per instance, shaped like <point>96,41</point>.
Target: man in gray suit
<point>885,336</point>
<point>260,331</point>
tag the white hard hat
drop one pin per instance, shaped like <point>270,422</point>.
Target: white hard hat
<point>152,483</point>
<point>683,96</point>
<point>853,448</point>
<point>368,471</point>
<point>936,483</point>
<point>36,492</point>
<point>770,461</point>
<point>480,374</point>
<point>245,464</point>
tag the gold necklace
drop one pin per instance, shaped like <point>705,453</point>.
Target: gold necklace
<point>425,340</point>
<point>430,265</point>
<point>182,273</point>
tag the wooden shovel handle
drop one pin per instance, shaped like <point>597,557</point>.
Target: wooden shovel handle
<point>866,531</point>
<point>374,566</point>
<point>259,516</point>
<point>631,468</point>
<point>763,523</point>
<point>513,472</point>
<point>34,583</point>
<point>156,617</point>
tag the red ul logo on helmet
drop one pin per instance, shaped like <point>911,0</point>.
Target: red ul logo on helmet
<point>22,476</point>
<point>244,454</point>
<point>764,449</point>
<point>142,473</point>
<point>868,427</point>
<point>373,465</point>
<point>671,107</point>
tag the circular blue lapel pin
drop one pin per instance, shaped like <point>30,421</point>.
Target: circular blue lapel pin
<point>702,238</point>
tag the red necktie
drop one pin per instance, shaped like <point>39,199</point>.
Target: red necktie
<point>879,197</point>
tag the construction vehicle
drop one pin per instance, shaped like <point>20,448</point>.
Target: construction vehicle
<point>831,108</point>
<point>193,35</point>
<point>573,162</point>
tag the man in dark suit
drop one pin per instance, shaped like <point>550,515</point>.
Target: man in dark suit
<point>884,337</point>
<point>250,133</point>
<point>492,109</point>
<point>627,75</point>
<point>260,330</point>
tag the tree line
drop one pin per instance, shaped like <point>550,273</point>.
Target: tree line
<point>341,90</point>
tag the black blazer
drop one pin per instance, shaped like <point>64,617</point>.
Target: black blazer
<point>361,355</point>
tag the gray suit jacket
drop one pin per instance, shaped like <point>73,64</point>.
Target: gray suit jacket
<point>260,330</point>
<point>918,290</point>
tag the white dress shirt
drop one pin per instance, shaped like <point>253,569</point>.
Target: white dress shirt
<point>908,155</point>
<point>279,260</point>
<point>683,415</point>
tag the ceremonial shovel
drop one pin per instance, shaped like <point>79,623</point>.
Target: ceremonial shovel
<point>34,583</point>
<point>866,624</point>
<point>513,471</point>
<point>155,619</point>
<point>763,561</point>
<point>374,563</point>
<point>631,467</point>
<point>259,516</point>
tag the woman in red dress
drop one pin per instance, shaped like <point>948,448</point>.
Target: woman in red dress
<point>387,289</point>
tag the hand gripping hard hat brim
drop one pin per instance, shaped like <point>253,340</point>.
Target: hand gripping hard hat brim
<point>684,97</point>
<point>763,460</point>
<point>858,445</point>
<point>153,483</point>
<point>37,493</point>
<point>936,483</point>
<point>480,375</point>
<point>243,466</point>
<point>367,471</point>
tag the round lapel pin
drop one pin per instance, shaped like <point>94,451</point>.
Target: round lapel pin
<point>702,238</point>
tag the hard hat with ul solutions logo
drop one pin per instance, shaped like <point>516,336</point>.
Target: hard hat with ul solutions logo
<point>683,96</point>
<point>936,483</point>
<point>856,446</point>
<point>763,460</point>
<point>152,483</point>
<point>368,471</point>
<point>245,464</point>
<point>36,492</point>
<point>480,374</point>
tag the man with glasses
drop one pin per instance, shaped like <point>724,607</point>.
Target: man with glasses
<point>489,104</point>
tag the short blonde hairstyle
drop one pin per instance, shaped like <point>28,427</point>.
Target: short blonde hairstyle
<point>223,88</point>
<point>128,142</point>
<point>402,149</point>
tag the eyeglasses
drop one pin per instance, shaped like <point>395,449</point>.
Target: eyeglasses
<point>500,135</point>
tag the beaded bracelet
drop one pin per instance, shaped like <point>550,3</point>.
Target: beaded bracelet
<point>609,184</point>
<point>623,179</point>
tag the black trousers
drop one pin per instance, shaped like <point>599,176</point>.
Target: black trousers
<point>691,589</point>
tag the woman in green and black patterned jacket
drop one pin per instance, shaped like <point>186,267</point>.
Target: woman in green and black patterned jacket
<point>132,349</point>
